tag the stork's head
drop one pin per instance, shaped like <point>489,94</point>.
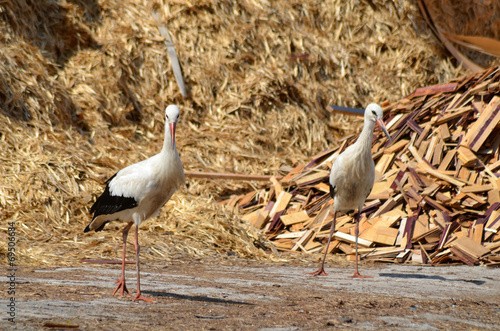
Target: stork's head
<point>171,117</point>
<point>374,113</point>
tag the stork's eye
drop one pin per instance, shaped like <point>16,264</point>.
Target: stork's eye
<point>374,113</point>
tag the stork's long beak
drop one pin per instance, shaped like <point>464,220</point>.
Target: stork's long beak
<point>172,133</point>
<point>382,126</point>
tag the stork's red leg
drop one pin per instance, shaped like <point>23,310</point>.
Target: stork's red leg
<point>356,273</point>
<point>139,296</point>
<point>321,270</point>
<point>121,282</point>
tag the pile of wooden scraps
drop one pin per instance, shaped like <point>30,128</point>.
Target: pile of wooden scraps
<point>436,196</point>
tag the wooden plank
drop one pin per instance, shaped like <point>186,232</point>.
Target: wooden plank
<point>296,171</point>
<point>452,114</point>
<point>445,163</point>
<point>477,233</point>
<point>396,146</point>
<point>484,125</point>
<point>493,196</point>
<point>444,131</point>
<point>476,188</point>
<point>438,174</point>
<point>292,235</point>
<point>277,186</point>
<point>315,177</point>
<point>384,163</point>
<point>437,154</point>
<point>303,240</point>
<point>430,149</point>
<point>323,187</point>
<point>421,226</point>
<point>470,247</point>
<point>227,176</point>
<point>281,203</point>
<point>467,157</point>
<point>352,239</point>
<point>247,198</point>
<point>434,89</point>
<point>294,218</point>
<point>380,234</point>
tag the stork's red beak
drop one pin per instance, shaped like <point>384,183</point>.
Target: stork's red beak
<point>382,126</point>
<point>172,133</point>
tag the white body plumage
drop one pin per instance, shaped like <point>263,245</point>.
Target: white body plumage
<point>353,172</point>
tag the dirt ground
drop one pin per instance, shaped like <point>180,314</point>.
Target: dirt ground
<point>243,295</point>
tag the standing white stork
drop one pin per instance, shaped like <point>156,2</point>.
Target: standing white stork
<point>352,177</point>
<point>137,193</point>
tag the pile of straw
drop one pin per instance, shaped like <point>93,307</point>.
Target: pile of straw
<point>83,86</point>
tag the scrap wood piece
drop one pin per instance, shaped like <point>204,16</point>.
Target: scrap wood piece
<point>483,126</point>
<point>352,239</point>
<point>179,77</point>
<point>229,176</point>
<point>434,89</point>
<point>469,247</point>
<point>452,114</point>
<point>440,34</point>
<point>382,252</point>
<point>348,110</point>
<point>297,170</point>
<point>315,177</point>
<point>438,174</point>
<point>483,44</point>
<point>294,218</point>
<point>303,240</point>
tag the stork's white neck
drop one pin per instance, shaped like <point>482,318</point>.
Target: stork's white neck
<point>168,148</point>
<point>365,139</point>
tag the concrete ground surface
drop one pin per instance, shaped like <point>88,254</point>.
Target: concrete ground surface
<point>245,295</point>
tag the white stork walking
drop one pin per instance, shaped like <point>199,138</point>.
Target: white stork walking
<point>137,193</point>
<point>352,177</point>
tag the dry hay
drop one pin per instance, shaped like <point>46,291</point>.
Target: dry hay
<point>84,83</point>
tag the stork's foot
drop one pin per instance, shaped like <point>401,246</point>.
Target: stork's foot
<point>358,275</point>
<point>140,297</point>
<point>319,272</point>
<point>121,286</point>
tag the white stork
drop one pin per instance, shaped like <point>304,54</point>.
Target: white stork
<point>137,193</point>
<point>352,177</point>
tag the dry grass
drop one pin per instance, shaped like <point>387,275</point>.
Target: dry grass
<point>84,83</point>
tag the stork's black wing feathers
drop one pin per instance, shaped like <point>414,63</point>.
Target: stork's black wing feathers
<point>109,204</point>
<point>332,191</point>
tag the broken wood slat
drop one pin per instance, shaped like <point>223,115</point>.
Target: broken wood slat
<point>348,110</point>
<point>392,252</point>
<point>438,174</point>
<point>352,239</point>
<point>303,240</point>
<point>297,170</point>
<point>489,119</point>
<point>397,146</point>
<point>452,115</point>
<point>281,203</point>
<point>312,178</point>
<point>434,89</point>
<point>294,218</point>
<point>470,247</point>
<point>228,176</point>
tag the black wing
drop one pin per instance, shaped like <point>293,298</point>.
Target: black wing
<point>108,204</point>
<point>332,191</point>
